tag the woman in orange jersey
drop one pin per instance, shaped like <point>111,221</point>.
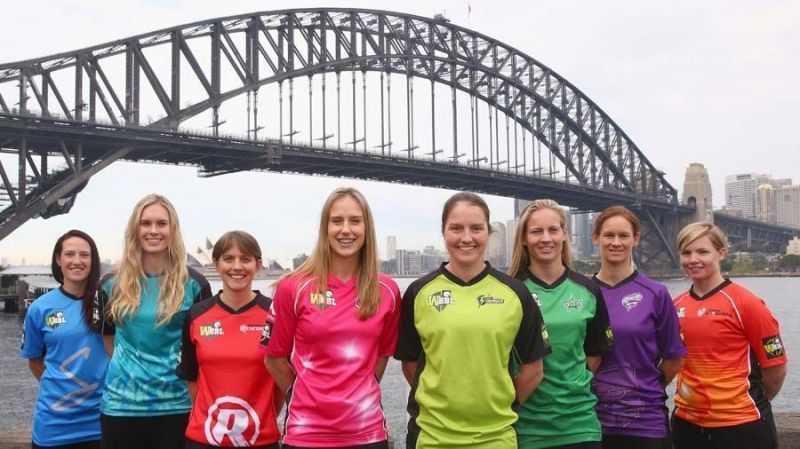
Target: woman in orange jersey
<point>736,362</point>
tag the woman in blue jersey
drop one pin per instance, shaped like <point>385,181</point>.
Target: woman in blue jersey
<point>144,302</point>
<point>648,351</point>
<point>560,413</point>
<point>64,350</point>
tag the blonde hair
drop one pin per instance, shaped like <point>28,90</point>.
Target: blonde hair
<point>520,259</point>
<point>694,231</point>
<point>319,263</point>
<point>127,290</point>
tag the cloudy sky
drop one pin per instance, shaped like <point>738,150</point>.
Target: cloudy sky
<point>714,82</point>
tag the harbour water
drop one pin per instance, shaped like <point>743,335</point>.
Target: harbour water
<point>18,388</point>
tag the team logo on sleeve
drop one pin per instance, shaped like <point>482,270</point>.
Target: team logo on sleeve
<point>682,312</point>
<point>232,420</point>
<point>545,334</point>
<point>440,300</point>
<point>609,334</point>
<point>631,301</point>
<point>55,319</point>
<point>773,346</point>
<point>322,301</point>
<point>266,333</point>
<point>488,299</point>
<point>212,330</point>
<point>573,304</point>
<point>536,298</point>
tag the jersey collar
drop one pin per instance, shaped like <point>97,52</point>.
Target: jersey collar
<point>711,292</point>
<point>218,299</point>
<point>456,280</point>
<point>529,275</point>
<point>619,284</point>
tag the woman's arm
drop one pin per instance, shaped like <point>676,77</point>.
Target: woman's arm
<point>409,371</point>
<point>108,342</point>
<point>37,367</point>
<point>669,368</point>
<point>772,380</point>
<point>281,371</point>
<point>192,385</point>
<point>593,362</point>
<point>380,367</point>
<point>529,377</point>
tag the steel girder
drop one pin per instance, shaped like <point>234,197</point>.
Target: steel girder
<point>273,46</point>
<point>742,230</point>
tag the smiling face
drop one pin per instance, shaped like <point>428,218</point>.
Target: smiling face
<point>237,269</point>
<point>154,229</point>
<point>700,260</point>
<point>346,229</point>
<point>466,232</point>
<point>75,260</point>
<point>616,240</point>
<point>544,237</point>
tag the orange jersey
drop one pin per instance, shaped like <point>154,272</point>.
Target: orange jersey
<point>730,335</point>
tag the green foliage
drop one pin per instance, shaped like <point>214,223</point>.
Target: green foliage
<point>789,262</point>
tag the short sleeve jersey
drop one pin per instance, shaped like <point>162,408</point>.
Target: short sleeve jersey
<point>220,350</point>
<point>561,410</point>
<point>730,335</point>
<point>67,408</point>
<point>464,336</point>
<point>630,398</point>
<point>335,400</point>
<point>141,379</point>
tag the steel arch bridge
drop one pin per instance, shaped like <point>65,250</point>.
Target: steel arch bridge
<point>480,120</point>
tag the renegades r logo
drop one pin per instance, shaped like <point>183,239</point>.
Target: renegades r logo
<point>233,421</point>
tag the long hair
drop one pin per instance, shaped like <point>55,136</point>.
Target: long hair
<point>319,263</point>
<point>127,291</point>
<point>520,260</point>
<point>90,289</point>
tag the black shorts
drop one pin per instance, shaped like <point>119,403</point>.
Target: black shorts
<point>631,442</point>
<point>151,432</point>
<point>82,445</point>
<point>759,434</point>
<point>191,444</point>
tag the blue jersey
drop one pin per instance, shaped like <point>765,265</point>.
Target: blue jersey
<point>141,378</point>
<point>67,410</point>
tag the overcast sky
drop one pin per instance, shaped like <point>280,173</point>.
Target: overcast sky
<point>714,82</point>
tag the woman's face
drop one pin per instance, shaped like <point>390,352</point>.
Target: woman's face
<point>700,260</point>
<point>616,240</point>
<point>154,230</point>
<point>544,237</point>
<point>237,269</point>
<point>466,232</point>
<point>75,260</point>
<point>346,228</point>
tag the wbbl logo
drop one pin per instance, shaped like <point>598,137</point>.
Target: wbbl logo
<point>212,330</point>
<point>440,300</point>
<point>55,319</point>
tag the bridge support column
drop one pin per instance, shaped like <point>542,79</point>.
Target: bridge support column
<point>657,251</point>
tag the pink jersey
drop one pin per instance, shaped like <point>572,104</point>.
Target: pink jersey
<point>335,400</point>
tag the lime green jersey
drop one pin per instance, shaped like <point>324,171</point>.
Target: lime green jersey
<point>463,335</point>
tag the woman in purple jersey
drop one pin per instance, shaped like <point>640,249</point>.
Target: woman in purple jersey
<point>648,351</point>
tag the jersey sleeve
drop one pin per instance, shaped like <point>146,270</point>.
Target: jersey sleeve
<point>102,307</point>
<point>668,330</point>
<point>599,337</point>
<point>281,325</point>
<point>204,291</point>
<point>32,335</point>
<point>388,338</point>
<point>409,346</point>
<point>532,341</point>
<point>187,361</point>
<point>763,333</point>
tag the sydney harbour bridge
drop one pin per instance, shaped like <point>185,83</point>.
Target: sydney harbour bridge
<point>351,93</point>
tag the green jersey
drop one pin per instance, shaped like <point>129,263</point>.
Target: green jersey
<point>463,335</point>
<point>561,410</point>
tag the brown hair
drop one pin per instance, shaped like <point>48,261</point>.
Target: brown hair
<point>616,211</point>
<point>89,290</point>
<point>520,259</point>
<point>239,239</point>
<point>466,197</point>
<point>694,231</point>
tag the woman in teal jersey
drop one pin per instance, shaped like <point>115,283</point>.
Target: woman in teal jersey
<point>560,413</point>
<point>144,302</point>
<point>64,350</point>
<point>461,327</point>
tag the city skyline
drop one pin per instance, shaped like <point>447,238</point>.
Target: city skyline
<point>677,91</point>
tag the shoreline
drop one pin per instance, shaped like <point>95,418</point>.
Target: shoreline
<point>788,424</point>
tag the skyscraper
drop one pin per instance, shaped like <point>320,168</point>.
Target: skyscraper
<point>740,192</point>
<point>788,206</point>
<point>391,247</point>
<point>496,249</point>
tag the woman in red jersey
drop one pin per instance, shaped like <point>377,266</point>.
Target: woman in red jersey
<point>736,362</point>
<point>332,326</point>
<point>236,403</point>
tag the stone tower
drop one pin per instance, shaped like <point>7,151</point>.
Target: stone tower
<point>697,192</point>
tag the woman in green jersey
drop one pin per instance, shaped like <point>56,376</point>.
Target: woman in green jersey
<point>461,326</point>
<point>560,413</point>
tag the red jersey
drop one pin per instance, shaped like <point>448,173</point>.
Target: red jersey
<point>730,335</point>
<point>335,400</point>
<point>220,351</point>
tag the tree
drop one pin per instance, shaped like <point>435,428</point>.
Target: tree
<point>790,262</point>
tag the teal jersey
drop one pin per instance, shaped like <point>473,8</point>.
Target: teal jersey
<point>561,410</point>
<point>142,379</point>
<point>463,336</point>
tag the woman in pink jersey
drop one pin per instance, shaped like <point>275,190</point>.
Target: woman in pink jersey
<point>332,326</point>
<point>736,362</point>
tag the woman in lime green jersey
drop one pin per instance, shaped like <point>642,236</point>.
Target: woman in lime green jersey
<point>560,413</point>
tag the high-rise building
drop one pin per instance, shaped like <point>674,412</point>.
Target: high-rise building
<point>788,206</point>
<point>496,250</point>
<point>697,191</point>
<point>511,234</point>
<point>391,247</point>
<point>519,205</point>
<point>580,230</point>
<point>740,192</point>
<point>766,204</point>
<point>794,246</point>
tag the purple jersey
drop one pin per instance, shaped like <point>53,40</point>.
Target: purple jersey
<point>630,398</point>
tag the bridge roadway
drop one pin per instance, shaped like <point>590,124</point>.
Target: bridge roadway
<point>216,155</point>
